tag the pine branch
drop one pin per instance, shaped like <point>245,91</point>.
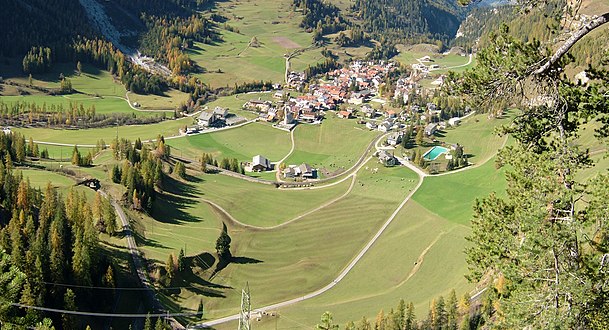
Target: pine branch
<point>595,23</point>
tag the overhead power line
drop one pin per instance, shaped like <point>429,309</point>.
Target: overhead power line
<point>94,314</point>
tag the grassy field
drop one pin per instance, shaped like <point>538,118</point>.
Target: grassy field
<point>388,273</point>
<point>184,218</point>
<point>242,143</point>
<point>336,144</point>
<point>232,61</point>
<point>93,87</point>
<point>91,136</point>
<point>320,243</point>
<point>477,136</point>
<point>419,256</point>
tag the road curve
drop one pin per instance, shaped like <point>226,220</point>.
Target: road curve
<point>337,280</point>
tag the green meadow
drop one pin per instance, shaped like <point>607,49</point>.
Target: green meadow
<point>335,145</point>
<point>91,136</point>
<point>242,143</point>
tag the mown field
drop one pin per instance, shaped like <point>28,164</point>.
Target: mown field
<point>418,257</point>
<point>242,143</point>
<point>320,243</point>
<point>271,23</point>
<point>336,144</point>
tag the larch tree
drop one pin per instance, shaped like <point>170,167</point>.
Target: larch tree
<point>544,245</point>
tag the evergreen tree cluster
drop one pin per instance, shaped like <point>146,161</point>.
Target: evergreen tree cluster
<point>49,240</point>
<point>451,313</point>
<point>141,171</point>
<point>327,65</point>
<point>229,164</point>
<point>253,86</point>
<point>410,21</point>
<point>166,38</point>
<point>320,17</point>
<point>79,160</point>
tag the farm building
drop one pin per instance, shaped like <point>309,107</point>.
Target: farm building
<point>303,170</point>
<point>260,164</point>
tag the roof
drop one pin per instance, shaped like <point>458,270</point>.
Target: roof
<point>206,115</point>
<point>261,160</point>
<point>431,126</point>
<point>305,168</point>
<point>219,110</point>
<point>384,155</point>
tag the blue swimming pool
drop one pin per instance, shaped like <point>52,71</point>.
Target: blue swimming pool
<point>434,153</point>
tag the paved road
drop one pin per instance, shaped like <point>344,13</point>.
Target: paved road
<point>337,280</point>
<point>139,264</point>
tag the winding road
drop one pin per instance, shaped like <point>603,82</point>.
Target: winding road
<point>422,175</point>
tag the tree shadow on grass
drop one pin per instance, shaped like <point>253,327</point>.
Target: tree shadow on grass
<point>143,241</point>
<point>169,208</point>
<point>224,262</point>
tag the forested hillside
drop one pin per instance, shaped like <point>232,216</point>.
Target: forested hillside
<point>410,21</point>
<point>52,23</point>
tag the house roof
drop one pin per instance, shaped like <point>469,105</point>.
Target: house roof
<point>305,168</point>
<point>431,126</point>
<point>261,160</point>
<point>219,110</point>
<point>206,115</point>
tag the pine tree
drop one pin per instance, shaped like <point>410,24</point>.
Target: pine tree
<point>69,303</point>
<point>159,325</point>
<point>181,260</point>
<point>76,156</point>
<point>452,315</point>
<point>109,215</point>
<point>410,319</point>
<point>170,266</point>
<point>148,323</point>
<point>223,244</point>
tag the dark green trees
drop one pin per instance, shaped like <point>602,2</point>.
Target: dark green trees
<point>223,244</point>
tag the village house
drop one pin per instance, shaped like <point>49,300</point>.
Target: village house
<point>260,164</point>
<point>387,159</point>
<point>395,138</point>
<point>370,125</point>
<point>344,114</point>
<point>206,119</point>
<point>258,105</point>
<point>220,113</point>
<point>454,121</point>
<point>368,111</point>
<point>430,129</point>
